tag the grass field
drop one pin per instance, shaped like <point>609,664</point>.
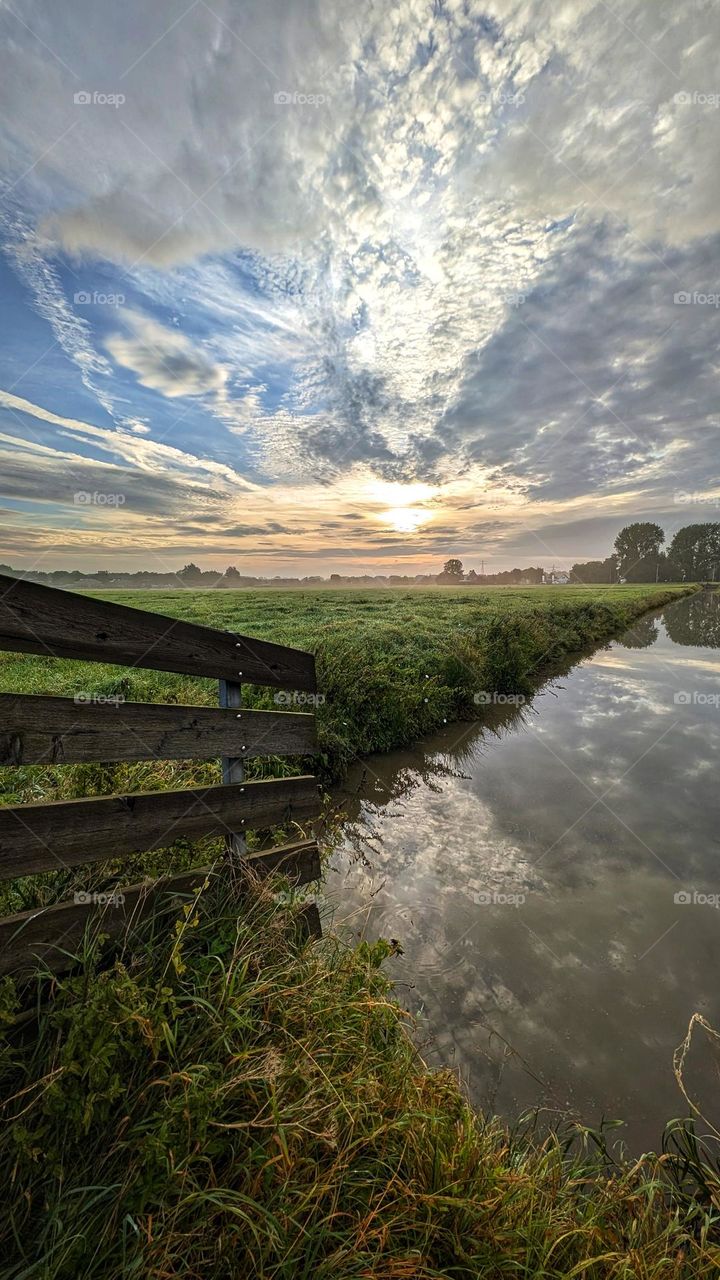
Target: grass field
<point>392,665</point>
<point>238,1103</point>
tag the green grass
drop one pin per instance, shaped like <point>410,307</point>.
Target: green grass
<point>392,665</point>
<point>234,1102</point>
<point>238,1103</point>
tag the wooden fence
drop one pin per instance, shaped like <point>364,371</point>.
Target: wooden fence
<point>46,730</point>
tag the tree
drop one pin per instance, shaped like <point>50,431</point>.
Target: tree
<point>595,571</point>
<point>665,572</point>
<point>453,569</point>
<point>695,553</point>
<point>232,574</point>
<point>637,547</point>
<point>191,575</point>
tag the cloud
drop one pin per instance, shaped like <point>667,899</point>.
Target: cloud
<point>71,331</point>
<point>141,453</point>
<point>599,381</point>
<point>164,360</point>
<point>450,248</point>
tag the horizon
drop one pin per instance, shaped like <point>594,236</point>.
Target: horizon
<point>467,569</point>
<point>357,290</point>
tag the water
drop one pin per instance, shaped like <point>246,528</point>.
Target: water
<point>530,866</point>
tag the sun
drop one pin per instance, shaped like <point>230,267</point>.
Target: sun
<point>400,507</point>
<point>406,519</point>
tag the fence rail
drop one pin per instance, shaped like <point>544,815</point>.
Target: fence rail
<point>39,730</point>
<point>54,934</point>
<point>35,729</point>
<point>45,620</point>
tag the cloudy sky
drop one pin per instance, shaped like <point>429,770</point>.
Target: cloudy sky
<point>311,287</point>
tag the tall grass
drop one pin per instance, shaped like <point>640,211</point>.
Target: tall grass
<point>238,1102</point>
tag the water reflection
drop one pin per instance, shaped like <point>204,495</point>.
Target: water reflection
<point>697,622</point>
<point>642,633</point>
<point>529,864</point>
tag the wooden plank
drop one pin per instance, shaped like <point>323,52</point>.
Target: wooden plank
<point>69,833</point>
<point>54,934</point>
<point>45,620</point>
<point>310,922</point>
<point>39,730</point>
<point>233,766</point>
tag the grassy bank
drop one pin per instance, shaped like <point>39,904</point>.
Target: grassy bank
<point>236,1102</point>
<point>241,1104</point>
<point>392,665</point>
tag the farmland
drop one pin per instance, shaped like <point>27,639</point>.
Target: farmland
<point>392,665</point>
<point>236,1098</point>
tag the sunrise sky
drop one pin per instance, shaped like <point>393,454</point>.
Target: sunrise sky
<point>350,286</point>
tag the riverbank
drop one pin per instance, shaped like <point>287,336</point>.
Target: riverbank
<point>241,1103</point>
<point>390,682</point>
<point>392,666</point>
<point>529,864</point>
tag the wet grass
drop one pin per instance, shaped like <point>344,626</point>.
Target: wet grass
<point>235,1102</point>
<point>240,1103</point>
<point>392,666</point>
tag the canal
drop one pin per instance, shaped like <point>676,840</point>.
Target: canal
<point>551,873</point>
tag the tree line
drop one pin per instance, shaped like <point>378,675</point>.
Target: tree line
<point>641,555</point>
<point>453,573</point>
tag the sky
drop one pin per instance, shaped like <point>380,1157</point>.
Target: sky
<point>311,287</point>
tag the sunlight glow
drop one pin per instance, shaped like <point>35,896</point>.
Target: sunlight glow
<point>407,519</point>
<point>400,507</point>
<point>393,494</point>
